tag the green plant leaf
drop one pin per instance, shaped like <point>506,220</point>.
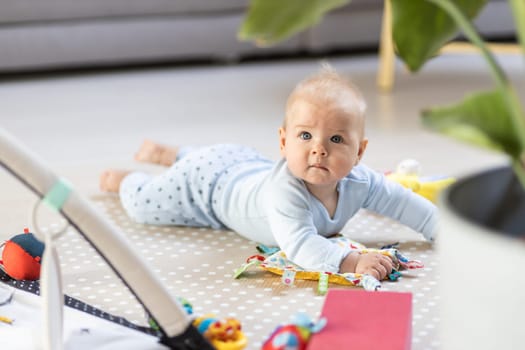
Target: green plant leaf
<point>420,28</point>
<point>271,21</point>
<point>482,119</point>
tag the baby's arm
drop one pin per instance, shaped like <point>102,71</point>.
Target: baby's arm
<point>293,225</point>
<point>375,264</point>
<point>393,200</point>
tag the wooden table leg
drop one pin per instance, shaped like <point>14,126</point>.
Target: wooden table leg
<point>386,70</point>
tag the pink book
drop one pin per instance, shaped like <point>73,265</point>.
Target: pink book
<point>358,319</point>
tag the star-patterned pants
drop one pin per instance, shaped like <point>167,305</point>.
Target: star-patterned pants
<point>184,194</point>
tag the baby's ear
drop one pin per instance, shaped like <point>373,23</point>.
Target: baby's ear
<point>282,139</point>
<point>362,148</point>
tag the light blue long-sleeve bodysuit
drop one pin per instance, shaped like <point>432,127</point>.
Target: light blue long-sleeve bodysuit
<point>234,187</point>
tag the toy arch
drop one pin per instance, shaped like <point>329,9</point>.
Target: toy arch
<point>177,331</point>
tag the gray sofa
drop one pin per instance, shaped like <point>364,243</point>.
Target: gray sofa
<point>56,34</point>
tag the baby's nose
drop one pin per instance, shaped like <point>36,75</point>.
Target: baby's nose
<point>319,149</point>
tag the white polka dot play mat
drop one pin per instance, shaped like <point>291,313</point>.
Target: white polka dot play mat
<point>198,265</point>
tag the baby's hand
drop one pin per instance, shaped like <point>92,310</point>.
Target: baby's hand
<point>374,264</point>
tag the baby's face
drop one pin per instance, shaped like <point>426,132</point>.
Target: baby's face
<point>321,142</point>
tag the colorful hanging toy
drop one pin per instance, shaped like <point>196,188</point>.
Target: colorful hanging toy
<point>223,334</point>
<point>408,175</point>
<point>293,336</point>
<point>22,256</point>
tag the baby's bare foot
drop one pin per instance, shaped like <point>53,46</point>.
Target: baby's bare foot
<point>110,180</point>
<point>152,152</point>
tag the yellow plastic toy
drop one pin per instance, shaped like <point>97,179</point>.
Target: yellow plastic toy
<point>407,174</point>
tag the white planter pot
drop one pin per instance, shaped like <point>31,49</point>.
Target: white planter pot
<point>482,273</point>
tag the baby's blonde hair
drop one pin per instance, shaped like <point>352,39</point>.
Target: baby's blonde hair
<point>327,86</point>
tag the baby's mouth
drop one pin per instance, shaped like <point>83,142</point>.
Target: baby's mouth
<point>318,166</point>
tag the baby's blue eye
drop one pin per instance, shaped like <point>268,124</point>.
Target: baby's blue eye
<point>336,139</point>
<point>305,135</point>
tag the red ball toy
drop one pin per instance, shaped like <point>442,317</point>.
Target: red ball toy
<point>22,256</point>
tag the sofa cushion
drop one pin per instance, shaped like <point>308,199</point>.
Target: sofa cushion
<point>48,10</point>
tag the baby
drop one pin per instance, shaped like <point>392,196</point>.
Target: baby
<point>295,203</point>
